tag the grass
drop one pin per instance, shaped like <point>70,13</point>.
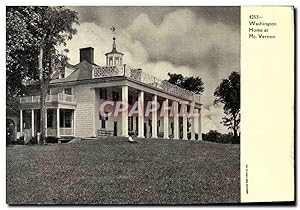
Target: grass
<point>113,171</point>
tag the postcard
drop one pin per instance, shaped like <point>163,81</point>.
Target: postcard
<point>150,105</point>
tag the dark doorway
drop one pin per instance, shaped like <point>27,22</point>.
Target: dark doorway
<point>115,128</point>
<point>145,130</point>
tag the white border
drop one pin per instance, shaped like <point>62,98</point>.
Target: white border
<point>103,2</point>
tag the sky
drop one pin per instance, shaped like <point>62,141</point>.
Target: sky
<point>192,41</point>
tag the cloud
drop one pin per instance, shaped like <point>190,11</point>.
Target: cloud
<point>182,38</point>
<point>181,43</point>
<point>209,50</point>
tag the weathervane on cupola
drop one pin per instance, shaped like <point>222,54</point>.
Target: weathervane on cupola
<point>114,58</point>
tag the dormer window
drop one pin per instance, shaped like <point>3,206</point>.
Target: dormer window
<point>68,91</point>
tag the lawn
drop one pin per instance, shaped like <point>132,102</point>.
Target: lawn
<point>114,171</point>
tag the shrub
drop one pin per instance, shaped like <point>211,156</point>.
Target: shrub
<point>212,136</point>
<point>215,136</point>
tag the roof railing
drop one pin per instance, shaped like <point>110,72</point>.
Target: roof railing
<point>140,76</point>
<point>59,97</point>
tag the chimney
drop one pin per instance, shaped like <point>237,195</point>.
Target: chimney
<point>87,54</point>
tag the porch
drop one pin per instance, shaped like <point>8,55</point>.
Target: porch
<point>60,115</point>
<point>59,123</point>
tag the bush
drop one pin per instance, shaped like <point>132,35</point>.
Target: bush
<point>215,136</point>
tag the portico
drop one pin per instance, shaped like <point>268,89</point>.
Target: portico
<point>151,113</point>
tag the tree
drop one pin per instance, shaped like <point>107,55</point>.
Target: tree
<point>32,47</point>
<point>193,84</point>
<point>228,93</point>
<point>20,54</point>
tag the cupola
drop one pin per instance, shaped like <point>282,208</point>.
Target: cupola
<point>114,58</point>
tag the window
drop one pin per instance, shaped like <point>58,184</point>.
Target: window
<point>116,96</point>
<point>61,73</point>
<point>68,91</point>
<point>49,118</point>
<point>103,93</point>
<point>116,61</point>
<point>68,119</point>
<point>65,120</point>
<point>130,99</point>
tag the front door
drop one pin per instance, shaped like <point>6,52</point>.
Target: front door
<point>115,128</point>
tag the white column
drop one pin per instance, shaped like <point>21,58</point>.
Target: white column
<point>184,121</point>
<point>166,119</point>
<point>199,126</point>
<point>141,114</point>
<point>32,122</point>
<point>57,123</point>
<point>192,127</point>
<point>176,121</point>
<point>125,111</point>
<point>154,117</point>
<point>21,122</point>
<point>95,114</point>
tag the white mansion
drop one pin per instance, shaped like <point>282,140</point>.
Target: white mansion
<point>79,92</point>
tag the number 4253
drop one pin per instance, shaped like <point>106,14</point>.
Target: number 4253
<point>253,16</point>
